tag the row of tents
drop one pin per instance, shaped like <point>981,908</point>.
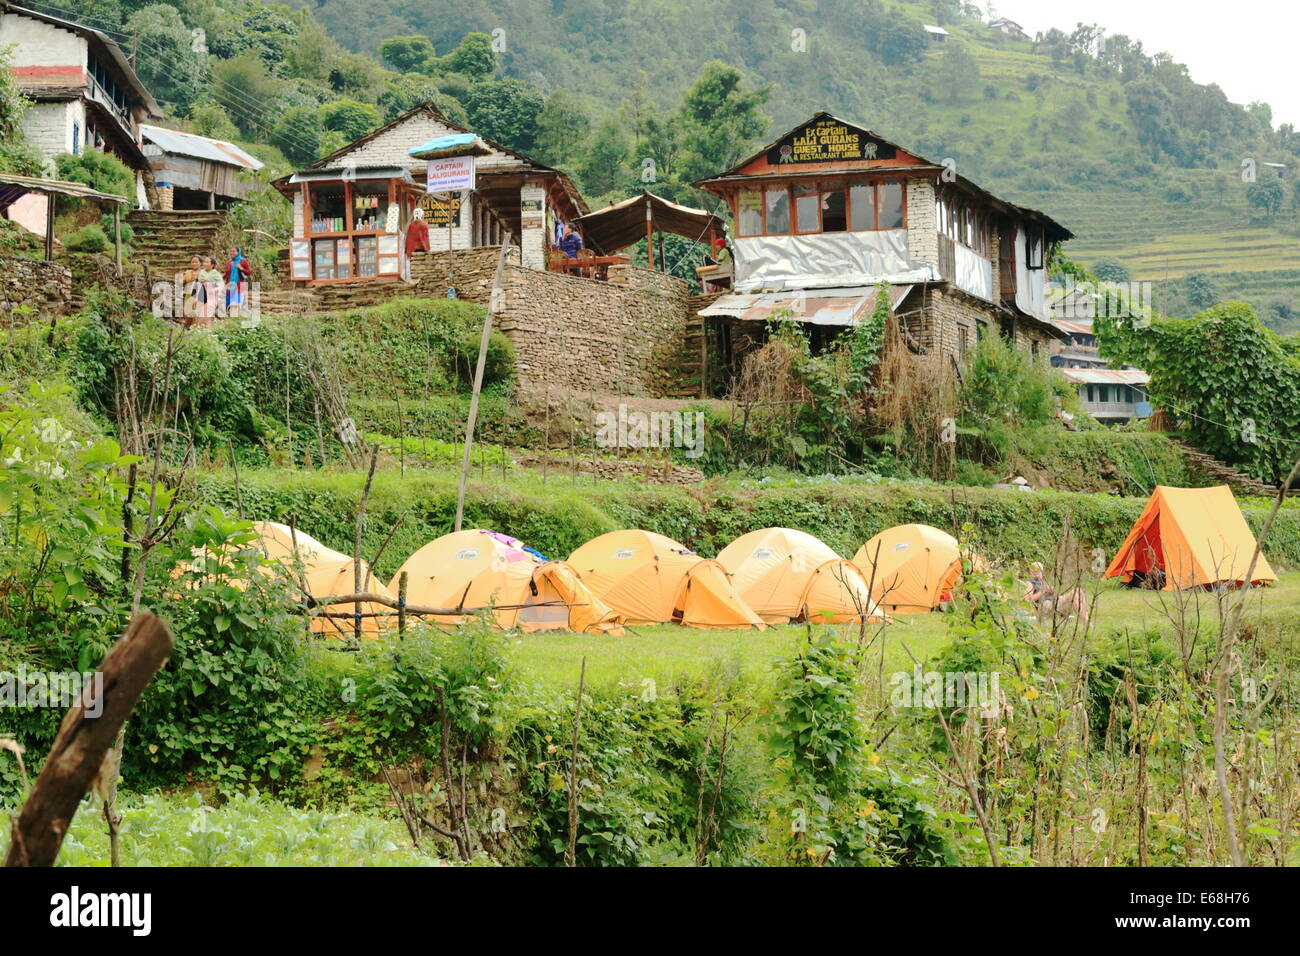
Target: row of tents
<point>769,576</point>
<point>1184,538</point>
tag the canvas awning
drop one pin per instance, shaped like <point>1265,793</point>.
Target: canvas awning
<point>844,306</point>
<point>623,224</point>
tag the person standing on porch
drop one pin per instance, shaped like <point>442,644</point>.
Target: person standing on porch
<point>571,244</point>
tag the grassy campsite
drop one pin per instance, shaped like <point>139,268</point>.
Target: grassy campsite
<point>300,734</point>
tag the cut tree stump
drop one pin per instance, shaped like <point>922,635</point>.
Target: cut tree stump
<point>82,741</point>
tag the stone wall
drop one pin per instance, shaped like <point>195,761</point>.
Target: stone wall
<point>43,286</point>
<point>570,332</point>
<point>468,271</point>
<point>588,336</point>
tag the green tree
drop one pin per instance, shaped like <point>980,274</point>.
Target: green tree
<point>603,167</point>
<point>505,111</point>
<point>1111,270</point>
<point>955,74</point>
<point>209,119</point>
<point>169,63</point>
<point>350,118</point>
<point>407,54</point>
<point>562,129</point>
<point>1266,196</point>
<point>1228,379</point>
<point>721,117</point>
<point>297,134</point>
<point>474,57</point>
<point>1202,292</point>
<point>246,92</point>
<point>407,92</point>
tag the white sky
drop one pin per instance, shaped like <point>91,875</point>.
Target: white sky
<point>1250,49</point>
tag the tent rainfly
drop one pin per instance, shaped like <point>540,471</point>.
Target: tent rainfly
<point>1190,537</point>
<point>625,223</point>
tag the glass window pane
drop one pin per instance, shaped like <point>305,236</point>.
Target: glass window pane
<point>834,211</point>
<point>891,205</point>
<point>778,211</point>
<point>862,204</point>
<point>749,206</point>
<point>807,208</point>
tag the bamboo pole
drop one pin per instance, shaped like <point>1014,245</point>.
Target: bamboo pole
<point>494,303</point>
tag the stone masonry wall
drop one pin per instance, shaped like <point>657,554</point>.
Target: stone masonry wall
<point>588,336</point>
<point>570,332</point>
<point>43,286</point>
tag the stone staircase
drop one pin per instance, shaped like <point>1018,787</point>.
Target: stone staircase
<point>685,365</point>
<point>167,239</point>
<point>1223,473</point>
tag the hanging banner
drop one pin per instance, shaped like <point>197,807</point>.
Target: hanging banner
<point>450,175</point>
<point>828,141</point>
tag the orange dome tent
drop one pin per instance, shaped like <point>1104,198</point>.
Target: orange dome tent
<point>910,567</point>
<point>785,575</point>
<point>321,572</point>
<point>470,569</point>
<point>1194,537</point>
<point>652,579</point>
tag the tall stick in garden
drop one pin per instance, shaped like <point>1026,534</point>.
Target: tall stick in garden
<point>494,306</point>
<point>356,540</point>
<point>571,851</point>
<point>83,740</point>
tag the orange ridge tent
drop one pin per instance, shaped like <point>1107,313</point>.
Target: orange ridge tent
<point>1194,537</point>
<point>785,575</point>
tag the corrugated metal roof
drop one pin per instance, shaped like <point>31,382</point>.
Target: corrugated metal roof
<point>199,147</point>
<point>827,307</point>
<point>1106,376</point>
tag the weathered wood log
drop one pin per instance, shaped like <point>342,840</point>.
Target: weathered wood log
<point>82,741</point>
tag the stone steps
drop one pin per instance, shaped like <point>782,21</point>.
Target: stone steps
<point>167,240</point>
<point>1223,472</point>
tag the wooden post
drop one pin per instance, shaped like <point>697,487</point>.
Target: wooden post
<point>401,606</point>
<point>649,234</point>
<point>117,237</point>
<point>494,303</point>
<point>83,739</point>
<point>49,227</point>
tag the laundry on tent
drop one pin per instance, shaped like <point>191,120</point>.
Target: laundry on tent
<point>479,568</point>
<point>1190,537</point>
<point>910,568</point>
<point>786,575</point>
<point>648,578</point>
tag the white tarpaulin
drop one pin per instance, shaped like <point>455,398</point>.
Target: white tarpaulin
<point>842,306</point>
<point>827,259</point>
<point>974,273</point>
<point>1031,295</point>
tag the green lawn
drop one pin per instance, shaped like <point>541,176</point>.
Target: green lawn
<point>665,652</point>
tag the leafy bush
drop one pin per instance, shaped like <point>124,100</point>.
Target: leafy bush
<point>90,238</point>
<point>100,171</point>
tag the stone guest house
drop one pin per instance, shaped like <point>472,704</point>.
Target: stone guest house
<point>829,210</point>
